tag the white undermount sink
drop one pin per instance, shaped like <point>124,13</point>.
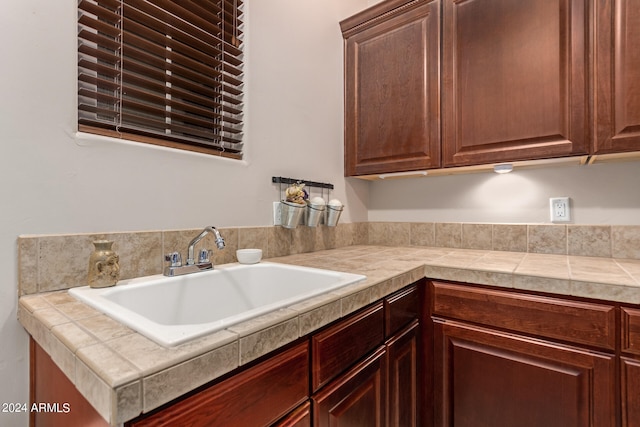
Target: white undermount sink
<point>172,310</point>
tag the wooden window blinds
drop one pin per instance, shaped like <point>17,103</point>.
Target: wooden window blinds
<point>162,72</point>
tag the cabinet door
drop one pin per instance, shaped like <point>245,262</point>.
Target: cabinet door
<point>514,80</point>
<point>402,377</point>
<point>392,102</point>
<point>617,76</point>
<point>490,379</point>
<point>300,417</point>
<point>630,393</point>
<point>356,398</point>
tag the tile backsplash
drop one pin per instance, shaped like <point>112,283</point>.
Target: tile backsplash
<point>55,262</point>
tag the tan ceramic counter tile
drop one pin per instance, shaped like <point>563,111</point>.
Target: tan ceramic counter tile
<point>491,278</point>
<point>477,236</point>
<point>150,357</point>
<point>127,402</point>
<point>498,261</point>
<point>355,301</point>
<point>542,284</point>
<point>314,302</point>
<point>598,270</point>
<point>262,322</point>
<point>313,319</point>
<point>34,302</point>
<point>389,233</point>
<point>175,381</point>
<point>55,275</point>
<point>542,265</point>
<point>59,297</point>
<point>95,391</point>
<point>73,336</point>
<point>547,239</point>
<point>458,259</point>
<point>631,267</point>
<point>611,292</point>
<point>114,405</point>
<point>51,317</point>
<point>77,310</point>
<point>423,233</point>
<point>262,342</point>
<point>448,235</point>
<point>104,327</point>
<point>27,265</point>
<point>626,241</point>
<point>108,365</point>
<point>454,274</point>
<point>510,237</point>
<point>589,240</point>
<point>423,255</point>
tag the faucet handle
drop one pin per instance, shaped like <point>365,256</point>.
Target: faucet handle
<point>174,258</point>
<point>204,256</point>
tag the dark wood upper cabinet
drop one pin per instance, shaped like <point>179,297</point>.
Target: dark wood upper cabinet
<point>617,76</point>
<point>514,81</point>
<point>392,89</point>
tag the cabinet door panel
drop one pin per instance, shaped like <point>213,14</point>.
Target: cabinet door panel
<point>617,76</point>
<point>300,417</point>
<point>514,80</point>
<point>392,92</point>
<point>355,399</point>
<point>341,345</point>
<point>490,379</point>
<point>583,323</point>
<point>402,378</point>
<point>631,330</point>
<point>630,393</point>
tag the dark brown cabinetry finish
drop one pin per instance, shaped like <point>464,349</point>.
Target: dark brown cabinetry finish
<point>494,379</point>
<point>392,101</point>
<point>356,398</point>
<point>617,76</point>
<point>505,358</point>
<point>403,377</point>
<point>630,367</point>
<point>300,417</point>
<point>340,346</point>
<point>258,396</point>
<point>515,81</point>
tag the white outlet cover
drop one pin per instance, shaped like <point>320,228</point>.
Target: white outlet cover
<point>559,209</point>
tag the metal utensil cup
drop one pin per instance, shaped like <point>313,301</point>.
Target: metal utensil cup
<point>333,215</point>
<point>291,214</point>
<point>314,214</point>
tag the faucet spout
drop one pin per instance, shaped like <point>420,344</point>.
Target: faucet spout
<point>209,229</point>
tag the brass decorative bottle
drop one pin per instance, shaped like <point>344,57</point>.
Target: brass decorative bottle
<point>104,269</point>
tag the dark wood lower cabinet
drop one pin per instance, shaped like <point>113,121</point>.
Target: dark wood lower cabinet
<point>403,377</point>
<point>355,399</point>
<point>488,378</point>
<point>630,370</point>
<point>300,417</point>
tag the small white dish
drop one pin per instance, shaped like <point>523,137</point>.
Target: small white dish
<point>249,256</point>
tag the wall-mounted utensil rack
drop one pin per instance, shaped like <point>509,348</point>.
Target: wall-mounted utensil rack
<point>282,180</point>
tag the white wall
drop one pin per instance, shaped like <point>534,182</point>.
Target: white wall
<point>600,194</point>
<point>55,182</point>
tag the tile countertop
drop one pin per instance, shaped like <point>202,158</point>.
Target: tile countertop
<point>122,374</point>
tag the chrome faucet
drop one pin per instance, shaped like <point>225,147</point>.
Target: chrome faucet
<point>175,267</point>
